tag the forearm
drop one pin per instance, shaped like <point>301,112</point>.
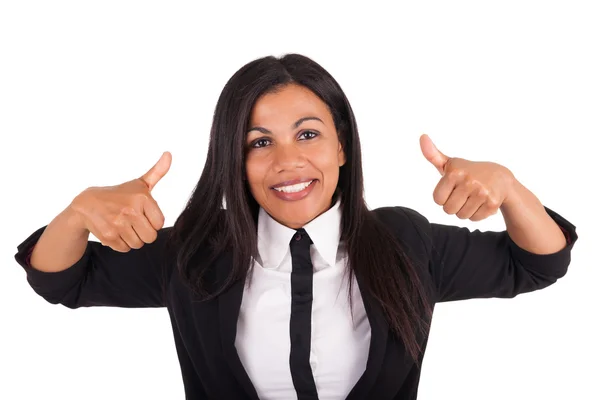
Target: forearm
<point>61,245</point>
<point>528,224</point>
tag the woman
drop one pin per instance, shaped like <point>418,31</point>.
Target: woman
<point>293,288</point>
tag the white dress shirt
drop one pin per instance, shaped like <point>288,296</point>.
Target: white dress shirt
<point>339,340</point>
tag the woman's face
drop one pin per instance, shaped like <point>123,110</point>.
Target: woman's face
<point>293,155</point>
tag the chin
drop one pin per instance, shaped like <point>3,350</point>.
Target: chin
<point>297,213</point>
<point>296,219</point>
<point>308,215</point>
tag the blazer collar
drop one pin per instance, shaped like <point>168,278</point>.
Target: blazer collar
<point>229,303</point>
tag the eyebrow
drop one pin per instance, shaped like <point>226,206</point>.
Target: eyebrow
<point>294,125</point>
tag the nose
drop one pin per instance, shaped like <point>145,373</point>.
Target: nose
<point>288,157</point>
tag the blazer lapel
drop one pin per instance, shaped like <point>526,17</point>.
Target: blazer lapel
<point>229,303</point>
<point>377,348</point>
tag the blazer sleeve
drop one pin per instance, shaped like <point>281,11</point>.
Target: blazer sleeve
<point>468,264</point>
<point>103,276</point>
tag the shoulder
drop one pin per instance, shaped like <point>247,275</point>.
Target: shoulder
<point>407,224</point>
<point>403,218</point>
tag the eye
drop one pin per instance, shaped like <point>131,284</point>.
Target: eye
<point>262,142</point>
<point>309,135</point>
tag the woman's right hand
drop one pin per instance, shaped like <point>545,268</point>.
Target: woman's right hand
<point>124,216</point>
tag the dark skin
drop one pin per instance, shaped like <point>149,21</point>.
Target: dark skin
<point>309,150</point>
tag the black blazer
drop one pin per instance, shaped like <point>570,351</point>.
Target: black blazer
<point>453,262</point>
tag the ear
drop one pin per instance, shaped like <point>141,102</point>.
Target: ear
<point>341,155</point>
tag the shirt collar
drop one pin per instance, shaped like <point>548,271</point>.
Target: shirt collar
<point>274,238</point>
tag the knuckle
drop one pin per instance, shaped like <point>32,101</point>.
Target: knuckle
<point>483,192</point>
<point>457,173</point>
<point>109,235</point>
<point>142,198</point>
<point>469,185</point>
<point>493,203</point>
<point>117,221</point>
<point>129,211</point>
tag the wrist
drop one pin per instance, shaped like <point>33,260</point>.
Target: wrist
<point>514,194</point>
<point>74,220</point>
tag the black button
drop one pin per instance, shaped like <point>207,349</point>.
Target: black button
<point>298,236</point>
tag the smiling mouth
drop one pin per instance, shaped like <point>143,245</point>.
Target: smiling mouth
<point>295,188</point>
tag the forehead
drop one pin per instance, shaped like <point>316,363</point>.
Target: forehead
<point>288,103</point>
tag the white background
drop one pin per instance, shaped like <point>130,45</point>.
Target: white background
<point>91,93</point>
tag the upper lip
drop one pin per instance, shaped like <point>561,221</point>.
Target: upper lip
<point>292,182</point>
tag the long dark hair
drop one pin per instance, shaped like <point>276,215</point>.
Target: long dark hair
<point>374,253</point>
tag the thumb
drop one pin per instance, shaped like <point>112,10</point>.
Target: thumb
<point>432,154</point>
<point>157,172</point>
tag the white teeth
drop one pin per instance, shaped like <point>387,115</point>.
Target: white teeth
<point>294,188</point>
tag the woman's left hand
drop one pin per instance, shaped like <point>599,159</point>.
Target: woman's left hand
<point>470,189</point>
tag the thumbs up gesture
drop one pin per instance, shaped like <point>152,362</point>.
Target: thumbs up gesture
<point>471,190</point>
<point>125,216</point>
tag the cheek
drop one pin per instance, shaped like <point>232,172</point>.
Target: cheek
<point>252,168</point>
<point>327,163</point>
<point>255,174</point>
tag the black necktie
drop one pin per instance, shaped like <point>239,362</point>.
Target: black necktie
<point>300,326</point>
